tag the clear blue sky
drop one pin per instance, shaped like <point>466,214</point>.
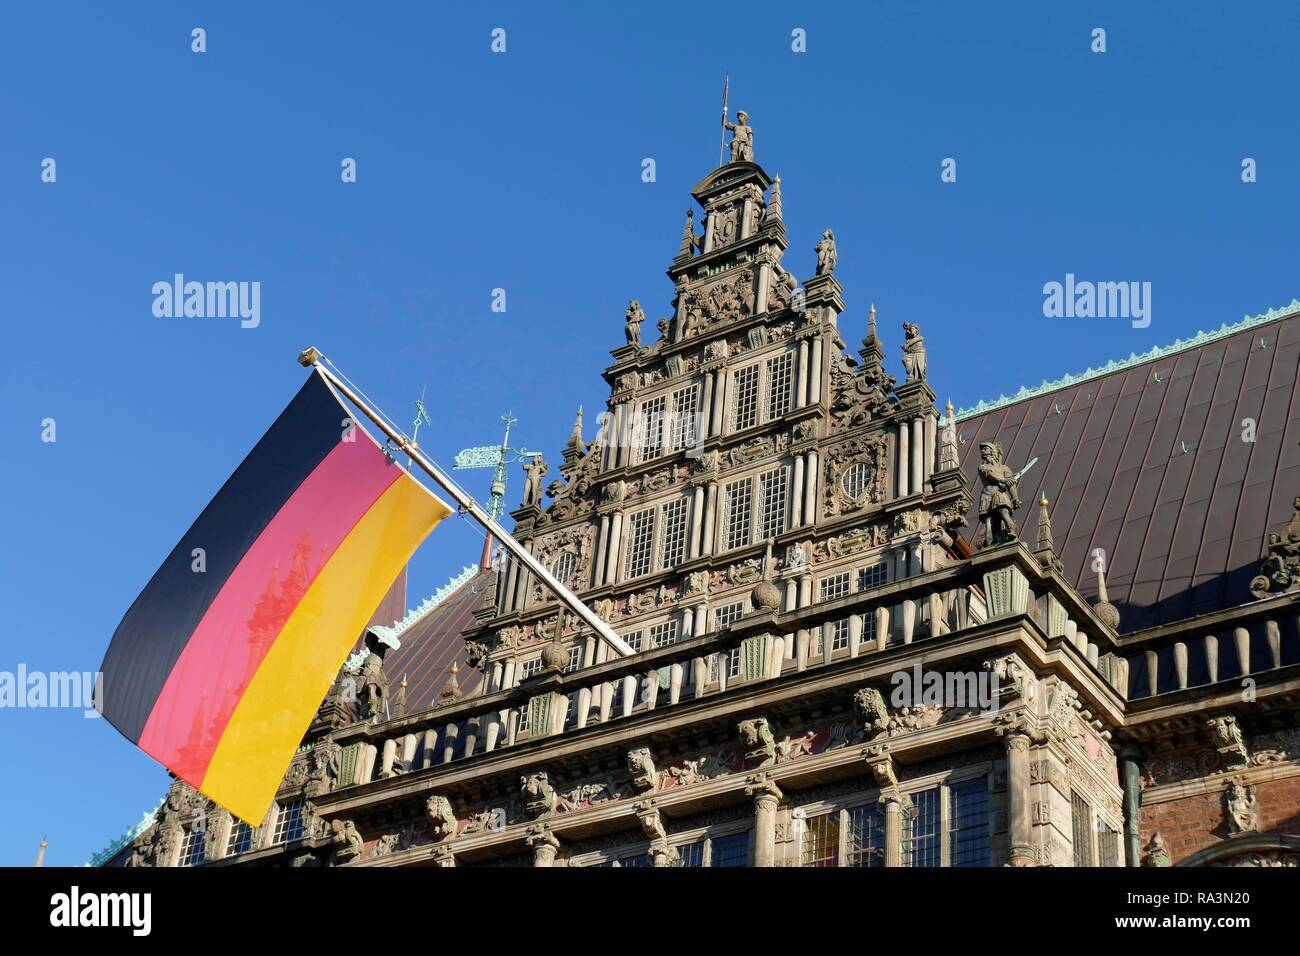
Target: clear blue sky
<point>523,171</point>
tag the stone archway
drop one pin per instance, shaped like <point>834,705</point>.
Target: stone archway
<point>1254,849</point>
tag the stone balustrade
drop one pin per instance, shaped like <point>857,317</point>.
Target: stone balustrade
<point>992,589</point>
<point>1225,646</point>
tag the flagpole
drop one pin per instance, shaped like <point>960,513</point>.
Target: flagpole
<point>312,358</point>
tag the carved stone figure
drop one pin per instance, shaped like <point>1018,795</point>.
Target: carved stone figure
<point>1229,740</point>
<point>796,556</point>
<point>1243,808</point>
<point>442,818</point>
<point>913,352</point>
<point>642,767</point>
<point>691,771</point>
<point>535,470</point>
<point>999,499</point>
<point>373,690</point>
<point>635,315</point>
<point>949,457</point>
<point>826,254</point>
<point>1280,570</point>
<point>791,747</point>
<point>742,138</point>
<point>871,708</point>
<point>347,841</point>
<point>324,770</point>
<point>760,747</point>
<point>1155,853</point>
<point>539,795</point>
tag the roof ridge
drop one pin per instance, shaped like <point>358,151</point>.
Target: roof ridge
<point>433,600</point>
<point>1155,352</point>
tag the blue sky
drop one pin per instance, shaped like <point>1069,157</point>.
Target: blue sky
<point>522,171</point>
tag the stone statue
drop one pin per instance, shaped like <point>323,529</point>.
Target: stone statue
<point>442,818</point>
<point>324,770</point>
<point>1155,852</point>
<point>641,765</point>
<point>691,771</point>
<point>999,499</point>
<point>1243,808</point>
<point>538,794</point>
<point>742,138</point>
<point>756,736</point>
<point>791,747</point>
<point>826,255</point>
<point>871,708</point>
<point>913,352</point>
<point>373,690</point>
<point>347,841</point>
<point>949,458</point>
<point>1280,570</point>
<point>635,315</point>
<point>535,470</point>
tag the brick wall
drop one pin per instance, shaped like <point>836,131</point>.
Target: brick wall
<point>1192,823</point>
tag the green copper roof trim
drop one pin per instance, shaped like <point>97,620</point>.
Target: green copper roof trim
<point>103,856</point>
<point>438,596</point>
<point>1157,352</point>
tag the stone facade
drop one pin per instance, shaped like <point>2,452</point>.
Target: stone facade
<point>824,673</point>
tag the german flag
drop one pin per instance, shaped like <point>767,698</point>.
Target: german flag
<point>220,664</point>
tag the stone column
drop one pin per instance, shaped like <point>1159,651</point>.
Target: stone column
<point>697,520</point>
<point>918,454</point>
<point>904,460</point>
<point>719,394</point>
<point>810,489</point>
<point>602,545</point>
<point>725,391</point>
<point>705,426</point>
<point>801,394</point>
<point>543,844</point>
<point>1020,823</point>
<point>796,493</point>
<point>893,804</point>
<point>815,376</point>
<point>508,599</point>
<point>764,283</point>
<point>710,518</point>
<point>930,428</point>
<point>767,796</point>
<point>611,557</point>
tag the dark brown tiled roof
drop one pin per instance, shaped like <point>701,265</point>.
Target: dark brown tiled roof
<point>1157,473</point>
<point>432,643</point>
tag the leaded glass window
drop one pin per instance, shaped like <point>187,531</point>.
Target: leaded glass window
<point>685,401</point>
<point>772,489</point>
<point>821,840</point>
<point>240,839</point>
<point>1081,821</point>
<point>674,525</point>
<point>193,852</point>
<point>738,513</point>
<point>288,823</point>
<point>652,428</point>
<point>921,845</point>
<point>745,388</point>
<point>968,822</point>
<point>640,542</point>
<point>778,385</point>
<point>866,836</point>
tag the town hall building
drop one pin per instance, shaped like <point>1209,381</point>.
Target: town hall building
<point>1055,629</point>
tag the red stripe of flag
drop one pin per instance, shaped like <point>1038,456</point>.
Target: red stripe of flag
<point>229,644</point>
